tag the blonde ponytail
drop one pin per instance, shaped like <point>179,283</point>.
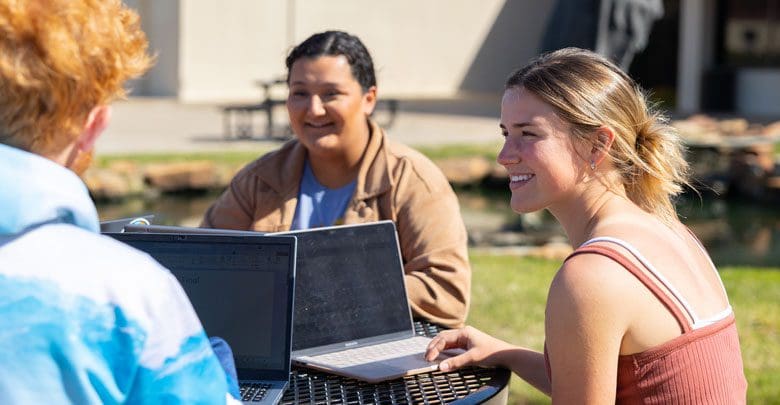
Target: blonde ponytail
<point>660,170</point>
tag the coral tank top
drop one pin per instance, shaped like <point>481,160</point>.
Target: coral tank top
<point>701,366</point>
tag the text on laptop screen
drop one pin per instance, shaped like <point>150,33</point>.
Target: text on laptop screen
<point>232,288</point>
<point>341,266</point>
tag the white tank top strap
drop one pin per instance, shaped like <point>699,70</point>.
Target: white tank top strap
<point>697,322</point>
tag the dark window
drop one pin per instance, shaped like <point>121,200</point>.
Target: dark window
<point>751,33</point>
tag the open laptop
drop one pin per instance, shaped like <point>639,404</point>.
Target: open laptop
<point>242,290</point>
<point>352,316</point>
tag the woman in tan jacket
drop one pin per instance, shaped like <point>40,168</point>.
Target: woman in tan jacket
<point>342,169</point>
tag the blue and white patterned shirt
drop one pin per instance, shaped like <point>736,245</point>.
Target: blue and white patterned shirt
<point>85,319</point>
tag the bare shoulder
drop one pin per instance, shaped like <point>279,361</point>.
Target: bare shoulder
<point>589,274</point>
<point>590,283</point>
<point>585,322</point>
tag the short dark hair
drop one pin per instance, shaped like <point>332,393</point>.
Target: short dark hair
<point>334,43</point>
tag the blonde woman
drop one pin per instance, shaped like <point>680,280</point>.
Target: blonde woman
<point>638,313</point>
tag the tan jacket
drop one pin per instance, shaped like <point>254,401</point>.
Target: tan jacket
<point>394,182</point>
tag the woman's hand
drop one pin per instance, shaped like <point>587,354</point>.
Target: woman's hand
<point>480,348</point>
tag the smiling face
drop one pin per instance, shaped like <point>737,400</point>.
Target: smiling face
<point>539,153</point>
<point>328,108</point>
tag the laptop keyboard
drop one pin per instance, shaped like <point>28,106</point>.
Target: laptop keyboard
<point>253,392</point>
<point>374,353</point>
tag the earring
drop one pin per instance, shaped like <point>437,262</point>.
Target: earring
<point>592,165</point>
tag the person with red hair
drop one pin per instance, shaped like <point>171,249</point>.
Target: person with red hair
<point>84,319</point>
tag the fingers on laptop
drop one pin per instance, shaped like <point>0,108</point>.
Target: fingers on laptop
<point>451,339</point>
<point>479,348</point>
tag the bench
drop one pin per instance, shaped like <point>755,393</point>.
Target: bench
<point>237,118</point>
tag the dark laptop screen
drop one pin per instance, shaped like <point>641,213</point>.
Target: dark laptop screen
<point>239,287</point>
<point>349,285</point>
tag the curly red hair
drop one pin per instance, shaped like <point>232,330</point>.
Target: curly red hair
<point>58,60</point>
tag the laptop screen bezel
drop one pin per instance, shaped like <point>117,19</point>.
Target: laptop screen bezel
<point>177,230</point>
<point>408,331</point>
<point>289,241</point>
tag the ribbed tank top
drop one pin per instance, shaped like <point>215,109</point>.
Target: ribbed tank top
<point>701,366</point>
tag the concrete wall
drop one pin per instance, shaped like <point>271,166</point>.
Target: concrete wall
<point>433,48</point>
<point>160,20</point>
<point>216,50</point>
<point>227,45</point>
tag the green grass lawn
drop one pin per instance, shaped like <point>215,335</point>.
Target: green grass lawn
<point>508,299</point>
<point>488,150</point>
<point>226,157</point>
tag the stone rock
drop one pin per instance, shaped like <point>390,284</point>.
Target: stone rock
<point>125,168</point>
<point>132,173</point>
<point>697,127</point>
<point>772,129</point>
<point>735,126</point>
<point>105,184</point>
<point>465,171</point>
<point>506,239</point>
<point>703,121</point>
<point>551,251</point>
<point>482,220</point>
<point>535,219</point>
<point>476,237</point>
<point>168,177</point>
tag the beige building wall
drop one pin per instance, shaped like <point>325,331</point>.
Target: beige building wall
<point>160,22</point>
<point>420,48</point>
<point>227,45</point>
<point>216,50</point>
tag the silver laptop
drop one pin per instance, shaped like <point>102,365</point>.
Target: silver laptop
<point>242,290</point>
<point>352,316</point>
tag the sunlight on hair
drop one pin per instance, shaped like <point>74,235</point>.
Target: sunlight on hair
<point>59,59</point>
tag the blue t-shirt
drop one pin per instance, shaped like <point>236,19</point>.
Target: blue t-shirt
<point>318,205</point>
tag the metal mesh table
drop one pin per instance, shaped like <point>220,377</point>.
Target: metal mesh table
<point>468,385</point>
